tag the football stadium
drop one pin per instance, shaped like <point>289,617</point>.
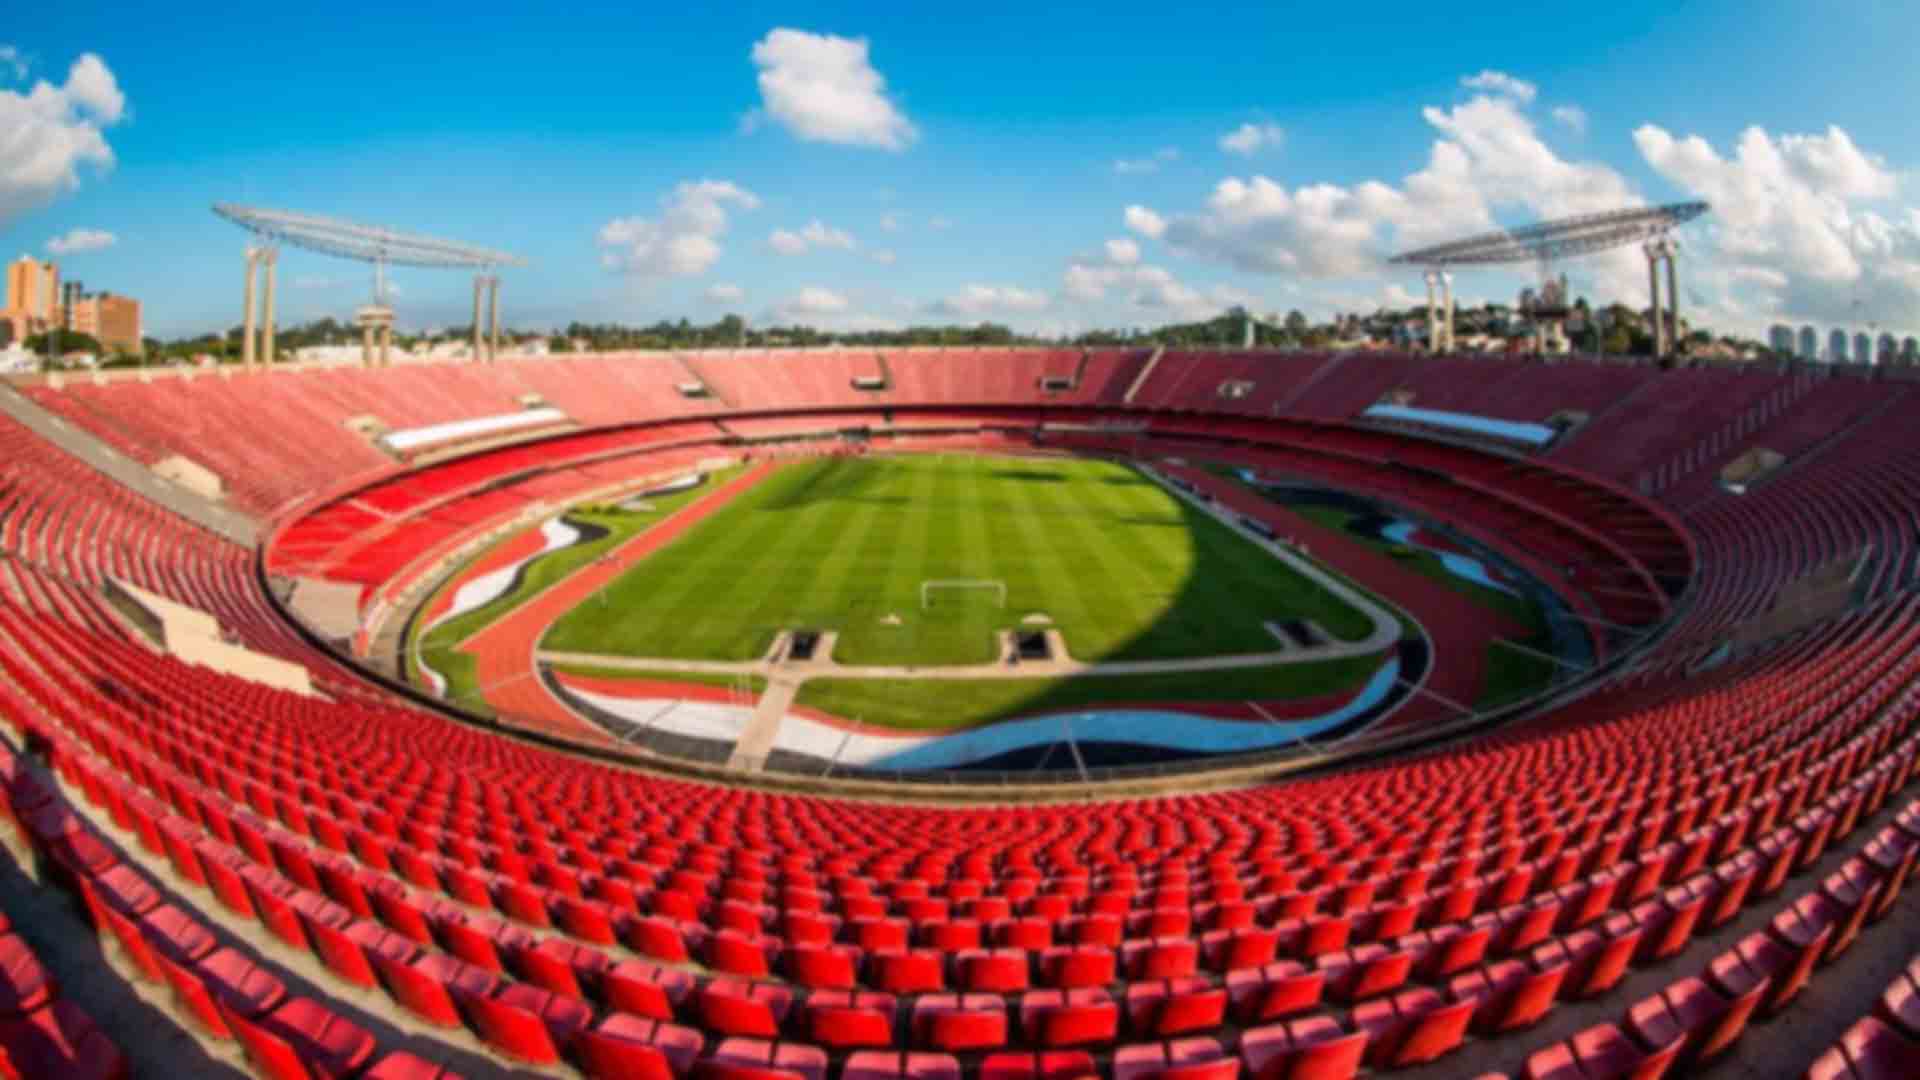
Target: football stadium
<point>1305,706</point>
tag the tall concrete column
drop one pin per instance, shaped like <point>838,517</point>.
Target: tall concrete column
<point>479,290</point>
<point>271,257</point>
<point>1433,312</point>
<point>246,322</point>
<point>1673,294</point>
<point>386,345</point>
<point>1653,292</point>
<point>1446,310</point>
<point>493,318</point>
<point>366,345</point>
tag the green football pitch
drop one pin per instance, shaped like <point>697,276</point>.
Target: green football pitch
<point>1122,568</point>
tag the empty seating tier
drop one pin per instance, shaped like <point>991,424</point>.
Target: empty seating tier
<point>1637,881</point>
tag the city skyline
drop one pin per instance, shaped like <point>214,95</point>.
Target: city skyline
<point>850,168</point>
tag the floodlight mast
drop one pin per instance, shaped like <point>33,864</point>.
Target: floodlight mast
<point>1570,237</point>
<point>383,247</point>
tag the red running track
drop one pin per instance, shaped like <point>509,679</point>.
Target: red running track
<point>1458,629</point>
<point>504,650</point>
<point>521,545</point>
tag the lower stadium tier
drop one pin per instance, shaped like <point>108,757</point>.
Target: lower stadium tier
<point>1515,765</point>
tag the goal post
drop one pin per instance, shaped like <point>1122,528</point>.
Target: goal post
<point>928,587</point>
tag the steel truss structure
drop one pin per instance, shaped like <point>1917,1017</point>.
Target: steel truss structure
<point>1560,238</point>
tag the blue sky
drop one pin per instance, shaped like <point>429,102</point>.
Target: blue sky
<point>1053,166</point>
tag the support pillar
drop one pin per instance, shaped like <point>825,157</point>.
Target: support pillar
<point>479,290</point>
<point>1433,312</point>
<point>246,322</point>
<point>1673,292</point>
<point>366,345</point>
<point>493,318</point>
<point>271,257</point>
<point>386,345</point>
<point>1653,292</point>
<point>1446,310</point>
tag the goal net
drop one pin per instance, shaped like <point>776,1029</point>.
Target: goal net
<point>929,588</point>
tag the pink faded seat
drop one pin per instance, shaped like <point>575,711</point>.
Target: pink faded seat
<point>61,1041</point>
<point>25,983</point>
<point>1869,1050</point>
<point>993,970</point>
<point>960,1021</point>
<point>894,1065</point>
<point>849,1018</point>
<point>1278,990</point>
<point>1180,1059</point>
<point>1412,1027</point>
<point>1602,1052</point>
<point>1314,1046</point>
<point>1171,1007</point>
<point>401,1065</point>
<point>239,983</point>
<point>425,987</point>
<point>1047,1065</point>
<point>1509,994</point>
<point>1691,1012</point>
<point>1068,1017</point>
<point>738,1007</point>
<point>299,1039</point>
<point>645,989</point>
<point>757,1059</point>
<point>624,1045</point>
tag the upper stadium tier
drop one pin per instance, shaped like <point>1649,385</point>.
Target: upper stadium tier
<point>1692,847</point>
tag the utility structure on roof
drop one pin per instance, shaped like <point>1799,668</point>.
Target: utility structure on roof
<point>1650,226</point>
<point>382,247</point>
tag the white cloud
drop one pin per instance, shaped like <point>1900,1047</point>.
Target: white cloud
<point>823,88</point>
<point>813,236</point>
<point>814,300</point>
<point>50,133</point>
<point>1499,82</point>
<point>93,88</point>
<point>1250,138</point>
<point>939,224</point>
<point>80,241</point>
<point>1573,117</point>
<point>1803,226</point>
<point>883,256</point>
<point>977,300</point>
<point>891,221</point>
<point>1150,163</point>
<point>1152,290</point>
<point>724,292</point>
<point>684,240</point>
<point>1145,222</point>
<point>1489,156</point>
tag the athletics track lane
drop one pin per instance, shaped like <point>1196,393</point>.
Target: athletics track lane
<point>504,651</point>
<point>1458,630</point>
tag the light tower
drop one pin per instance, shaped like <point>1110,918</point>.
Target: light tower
<point>365,243</point>
<point>1549,240</point>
